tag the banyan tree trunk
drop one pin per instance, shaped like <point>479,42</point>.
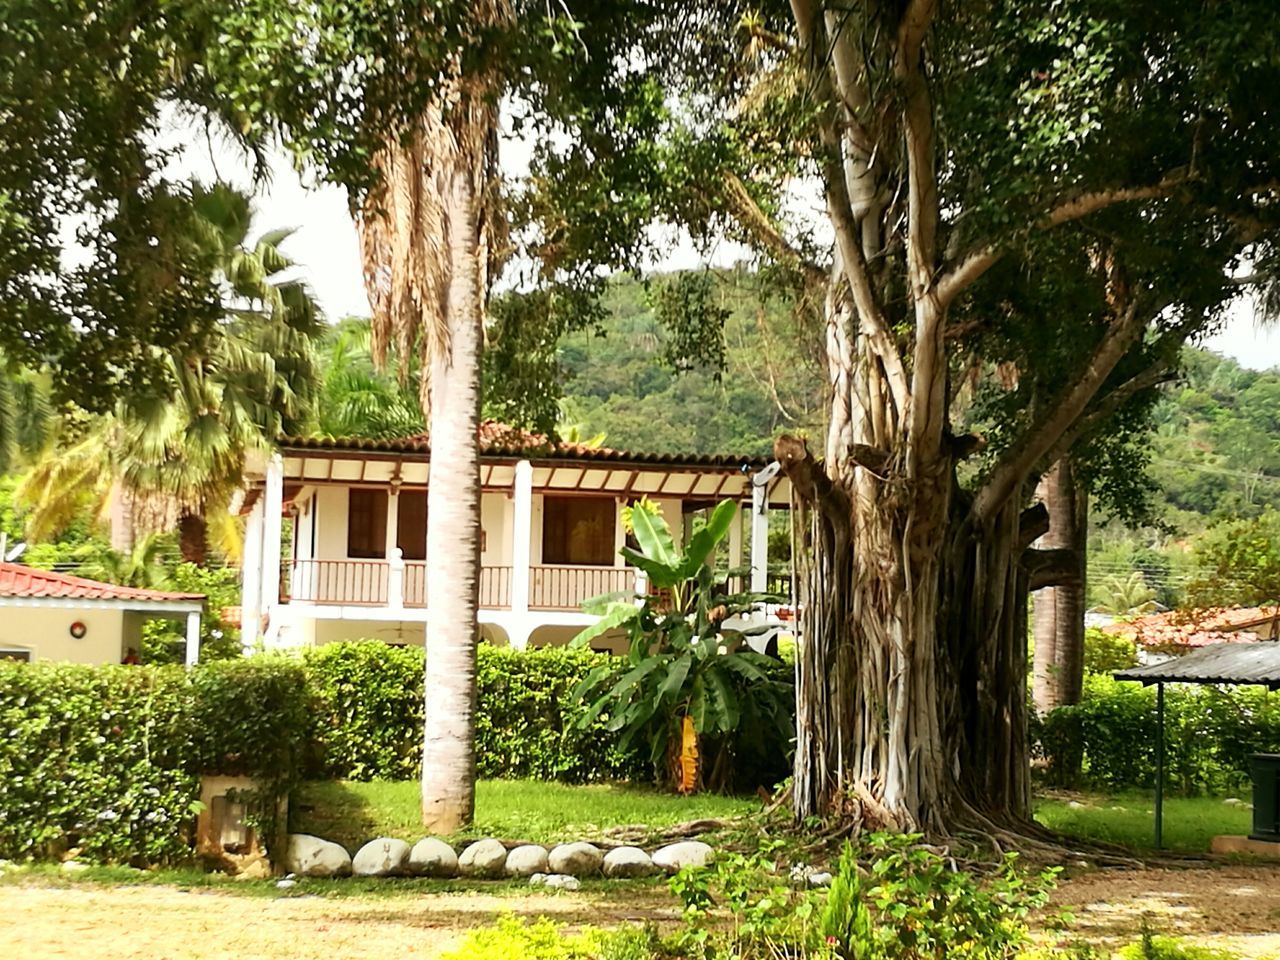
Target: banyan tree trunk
<point>911,665</point>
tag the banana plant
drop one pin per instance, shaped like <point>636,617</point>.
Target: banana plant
<point>688,686</point>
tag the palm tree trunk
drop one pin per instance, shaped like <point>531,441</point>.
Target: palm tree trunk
<point>1059,610</point>
<point>193,538</point>
<point>453,533</point>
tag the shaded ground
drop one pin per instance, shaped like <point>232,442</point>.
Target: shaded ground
<point>1232,906</point>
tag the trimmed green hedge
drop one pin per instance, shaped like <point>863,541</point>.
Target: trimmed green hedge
<point>106,759</point>
<point>369,715</point>
<point>1110,737</point>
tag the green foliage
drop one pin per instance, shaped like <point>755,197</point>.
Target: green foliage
<point>513,938</point>
<point>1105,653</point>
<point>105,759</point>
<point>1209,734</point>
<point>908,903</point>
<point>1154,947</point>
<point>1240,563</point>
<point>164,641</point>
<point>680,661</point>
<point>368,721</point>
<point>911,904</point>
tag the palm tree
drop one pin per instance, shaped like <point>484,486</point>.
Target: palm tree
<point>356,399</point>
<point>428,233</point>
<point>175,450</point>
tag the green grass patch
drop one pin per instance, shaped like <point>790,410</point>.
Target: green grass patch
<point>1190,823</point>
<point>352,813</point>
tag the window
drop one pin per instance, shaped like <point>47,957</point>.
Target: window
<point>367,524</point>
<point>15,653</point>
<point>411,527</point>
<point>578,530</point>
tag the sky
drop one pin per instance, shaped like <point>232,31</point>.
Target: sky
<point>328,253</point>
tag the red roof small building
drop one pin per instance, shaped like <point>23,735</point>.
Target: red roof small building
<point>1200,628</point>
<point>56,616</point>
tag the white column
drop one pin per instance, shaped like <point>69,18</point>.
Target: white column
<point>395,578</point>
<point>521,536</point>
<point>251,579</point>
<point>272,509</point>
<point>193,637</point>
<point>393,521</point>
<point>759,537</point>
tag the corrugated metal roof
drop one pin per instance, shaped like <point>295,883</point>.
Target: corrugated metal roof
<point>17,580</point>
<point>1250,663</point>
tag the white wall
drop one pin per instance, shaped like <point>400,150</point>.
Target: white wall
<point>46,632</point>
<point>497,518</point>
<point>331,537</point>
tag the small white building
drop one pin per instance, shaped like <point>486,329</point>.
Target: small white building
<point>355,564</point>
<point>54,616</point>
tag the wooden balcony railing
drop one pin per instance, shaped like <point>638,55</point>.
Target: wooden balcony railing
<point>357,582</point>
<point>565,587</point>
<point>495,586</point>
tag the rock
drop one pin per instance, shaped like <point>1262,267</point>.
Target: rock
<point>484,858</point>
<point>526,861</point>
<point>575,859</point>
<point>73,866</point>
<point>1075,805</point>
<point>308,856</point>
<point>1233,802</point>
<point>625,862</point>
<point>285,884</point>
<point>432,857</point>
<point>822,879</point>
<point>556,881</point>
<point>257,868</point>
<point>383,857</point>
<point>687,853</point>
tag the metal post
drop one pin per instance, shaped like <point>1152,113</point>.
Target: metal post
<point>1159,766</point>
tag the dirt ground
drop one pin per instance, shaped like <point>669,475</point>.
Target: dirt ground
<point>1225,906</point>
<point>1237,907</point>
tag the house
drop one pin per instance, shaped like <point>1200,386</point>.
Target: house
<point>355,511</point>
<point>1175,631</point>
<point>53,616</point>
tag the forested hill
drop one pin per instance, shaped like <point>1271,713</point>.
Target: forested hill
<point>1215,450</point>
<point>624,383</point>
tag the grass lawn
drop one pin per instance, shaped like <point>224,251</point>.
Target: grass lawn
<point>352,813</point>
<point>1129,819</point>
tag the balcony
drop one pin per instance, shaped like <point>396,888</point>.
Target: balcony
<point>373,583</point>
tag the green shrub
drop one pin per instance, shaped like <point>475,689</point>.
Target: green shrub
<point>106,759</point>
<point>511,938</point>
<point>368,720</point>
<point>1105,653</point>
<point>1209,734</point>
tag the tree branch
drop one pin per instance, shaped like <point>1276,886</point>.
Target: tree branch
<point>1051,567</point>
<point>965,273</point>
<point>754,221</point>
<point>1060,415</point>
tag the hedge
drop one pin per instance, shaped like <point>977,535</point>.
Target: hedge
<point>1110,736</point>
<point>106,760</point>
<point>368,723</point>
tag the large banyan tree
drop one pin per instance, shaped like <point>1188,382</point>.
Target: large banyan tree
<point>1008,217</point>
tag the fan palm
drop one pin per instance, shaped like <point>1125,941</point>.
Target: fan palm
<point>356,399</point>
<point>176,449</point>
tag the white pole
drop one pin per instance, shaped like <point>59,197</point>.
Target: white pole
<point>521,536</point>
<point>251,580</point>
<point>193,638</point>
<point>273,508</point>
<point>759,537</point>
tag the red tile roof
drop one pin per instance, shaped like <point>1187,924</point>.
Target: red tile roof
<point>1198,628</point>
<point>502,441</point>
<point>17,580</point>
